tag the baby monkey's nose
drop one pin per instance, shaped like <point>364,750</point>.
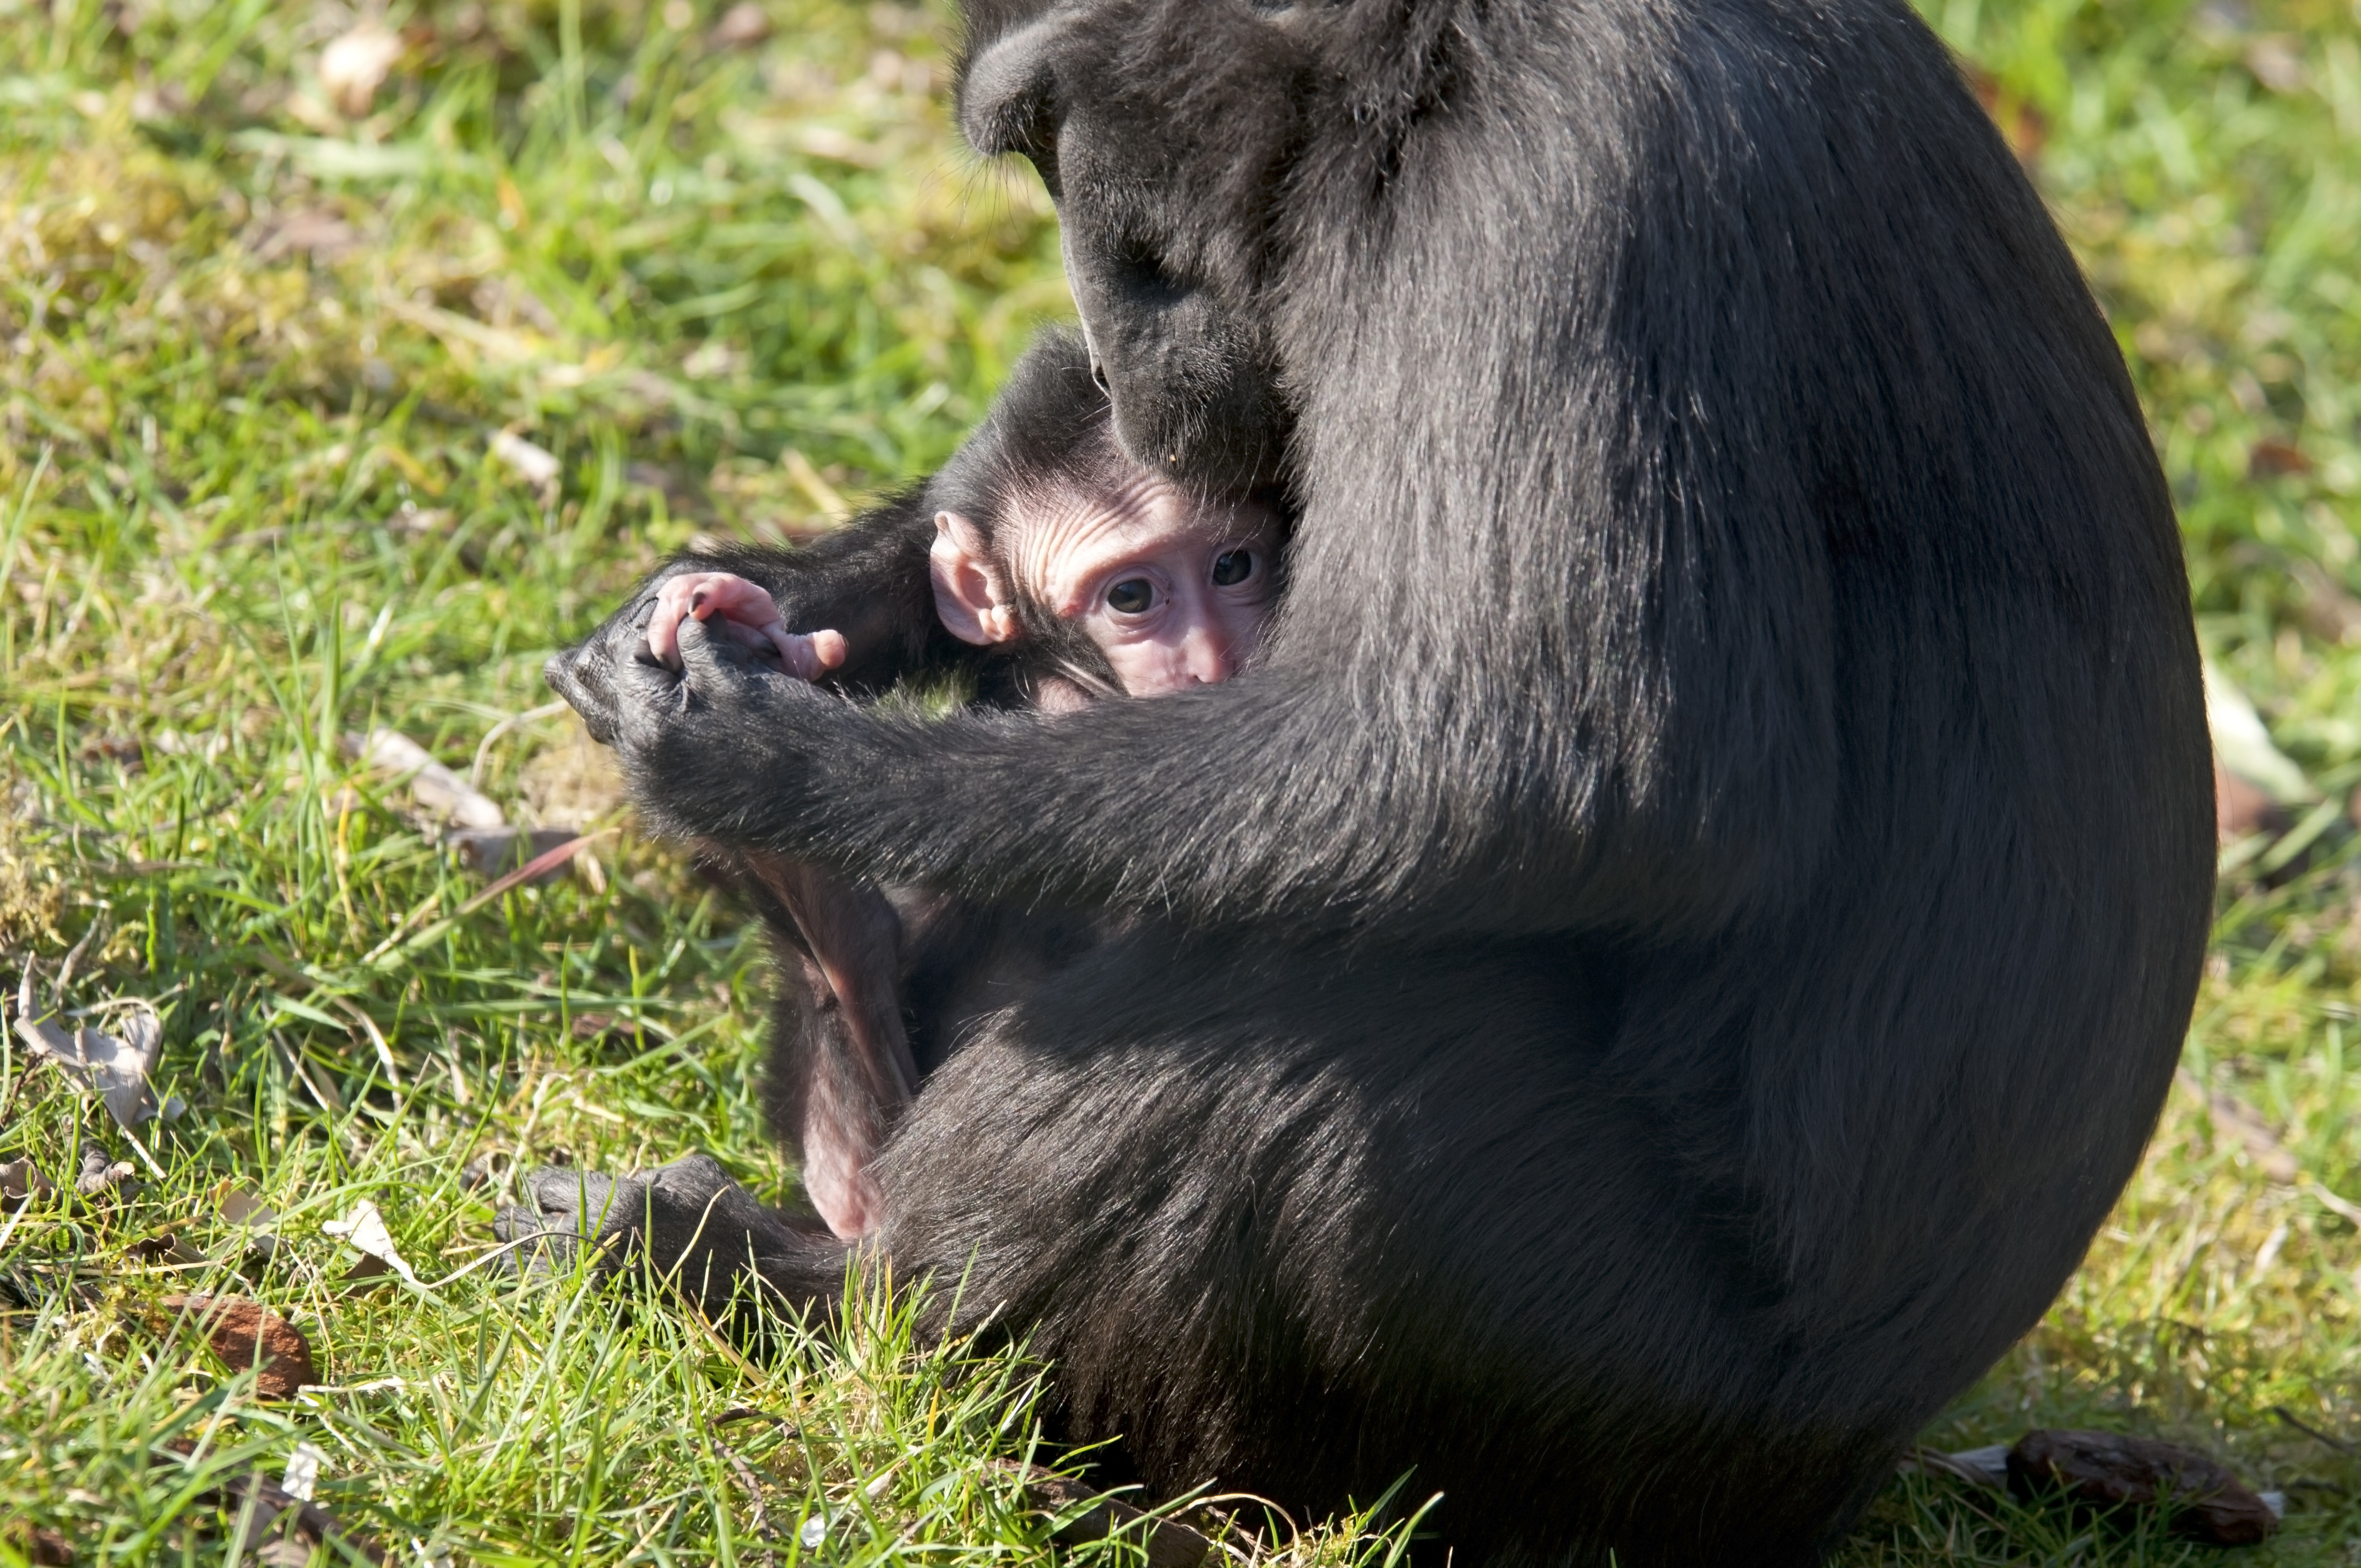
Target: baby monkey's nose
<point>1207,659</point>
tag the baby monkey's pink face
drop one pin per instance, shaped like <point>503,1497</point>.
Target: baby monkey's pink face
<point>1173,590</point>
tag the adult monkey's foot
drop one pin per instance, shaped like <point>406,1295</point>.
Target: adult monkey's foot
<point>690,1223</point>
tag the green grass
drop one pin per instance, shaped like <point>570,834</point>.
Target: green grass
<point>254,358</point>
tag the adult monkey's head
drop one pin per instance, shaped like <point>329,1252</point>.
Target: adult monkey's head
<point>1166,131</point>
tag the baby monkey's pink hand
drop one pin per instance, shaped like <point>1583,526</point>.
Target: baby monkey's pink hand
<point>747,613</point>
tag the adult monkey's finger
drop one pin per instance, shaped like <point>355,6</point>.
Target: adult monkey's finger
<point>577,677</point>
<point>711,655</point>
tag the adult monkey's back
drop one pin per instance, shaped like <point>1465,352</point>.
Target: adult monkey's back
<point>1694,921</point>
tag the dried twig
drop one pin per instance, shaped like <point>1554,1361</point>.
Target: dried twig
<point>2313,1432</point>
<point>758,1515</point>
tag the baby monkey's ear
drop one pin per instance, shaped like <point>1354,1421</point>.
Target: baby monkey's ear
<point>970,591</point>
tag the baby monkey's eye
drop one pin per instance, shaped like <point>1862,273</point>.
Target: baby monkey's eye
<point>1133,596</point>
<point>1233,567</point>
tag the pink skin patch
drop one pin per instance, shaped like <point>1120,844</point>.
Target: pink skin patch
<point>747,613</point>
<point>852,1097</point>
<point>1174,590</point>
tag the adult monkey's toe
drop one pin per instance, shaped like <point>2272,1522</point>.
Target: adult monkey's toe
<point>564,1210</point>
<point>690,1224</point>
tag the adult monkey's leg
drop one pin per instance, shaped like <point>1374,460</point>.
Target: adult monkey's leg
<point>1344,1219</point>
<point>1269,1243</point>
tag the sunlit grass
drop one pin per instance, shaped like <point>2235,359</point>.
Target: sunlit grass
<point>258,354</point>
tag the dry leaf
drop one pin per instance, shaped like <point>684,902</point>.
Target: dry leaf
<point>2278,63</point>
<point>323,233</point>
<point>431,784</point>
<point>250,1214</point>
<point>155,101</point>
<point>2263,1146</point>
<point>488,851</point>
<point>535,466</point>
<point>355,66</point>
<point>164,1247</point>
<point>504,301</point>
<point>21,1178</point>
<point>115,1067</point>
<point>100,1173</point>
<point>2101,1469</point>
<point>2326,607</point>
<point>1979,1466</point>
<point>236,1328</point>
<point>429,522</point>
<point>826,141</point>
<point>363,1228</point>
<point>592,1026</point>
<point>240,1207</point>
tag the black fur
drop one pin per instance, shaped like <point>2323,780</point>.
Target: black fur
<point>1655,980</point>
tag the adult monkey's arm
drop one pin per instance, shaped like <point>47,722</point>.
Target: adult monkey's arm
<point>1269,800</point>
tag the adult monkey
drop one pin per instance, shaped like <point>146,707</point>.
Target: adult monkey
<point>1687,932</point>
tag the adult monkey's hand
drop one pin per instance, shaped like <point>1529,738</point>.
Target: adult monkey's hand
<point>727,722</point>
<point>584,675</point>
<point>868,581</point>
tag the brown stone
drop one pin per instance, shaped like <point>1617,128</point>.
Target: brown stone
<point>235,1327</point>
<point>38,1544</point>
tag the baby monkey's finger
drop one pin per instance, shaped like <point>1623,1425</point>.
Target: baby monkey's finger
<point>808,658</point>
<point>700,596</point>
<point>663,630</point>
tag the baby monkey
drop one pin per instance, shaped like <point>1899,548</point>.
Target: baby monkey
<point>1066,573</point>
<point>1093,576</point>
